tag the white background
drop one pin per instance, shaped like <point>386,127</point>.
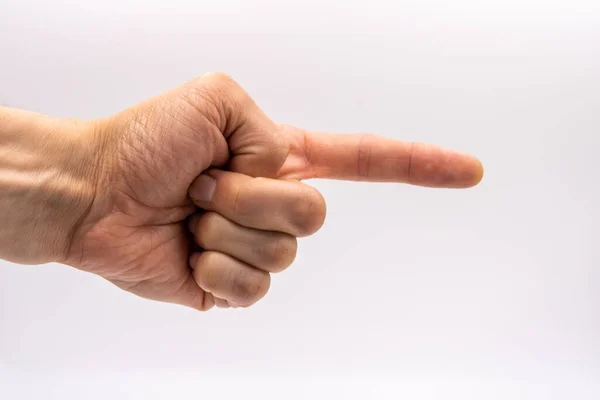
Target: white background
<point>492,292</point>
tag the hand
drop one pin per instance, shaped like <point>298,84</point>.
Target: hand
<point>208,138</point>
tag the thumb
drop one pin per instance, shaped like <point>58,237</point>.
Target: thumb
<point>258,147</point>
<point>256,144</point>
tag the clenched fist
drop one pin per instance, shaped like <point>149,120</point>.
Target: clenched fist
<point>193,197</point>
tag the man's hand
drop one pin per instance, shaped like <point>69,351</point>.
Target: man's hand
<point>195,194</point>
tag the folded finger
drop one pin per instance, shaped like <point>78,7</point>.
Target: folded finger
<point>229,279</point>
<point>261,203</point>
<point>267,250</point>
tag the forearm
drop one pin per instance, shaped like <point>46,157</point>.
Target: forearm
<point>47,174</point>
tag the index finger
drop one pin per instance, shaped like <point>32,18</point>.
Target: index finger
<point>366,157</point>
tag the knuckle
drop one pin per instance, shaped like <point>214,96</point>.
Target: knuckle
<point>247,289</point>
<point>280,252</point>
<point>215,95</point>
<point>310,211</point>
<point>225,87</point>
<point>219,79</point>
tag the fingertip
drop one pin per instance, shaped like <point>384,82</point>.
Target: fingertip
<point>476,172</point>
<point>434,166</point>
<point>479,172</point>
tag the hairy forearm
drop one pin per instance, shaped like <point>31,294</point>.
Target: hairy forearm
<point>47,183</point>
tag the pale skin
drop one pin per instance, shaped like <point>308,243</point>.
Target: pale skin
<point>193,197</point>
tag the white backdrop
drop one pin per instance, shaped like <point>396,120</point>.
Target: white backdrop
<point>492,292</point>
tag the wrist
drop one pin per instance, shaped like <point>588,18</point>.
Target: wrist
<point>48,181</point>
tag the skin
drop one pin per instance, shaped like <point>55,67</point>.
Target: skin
<point>193,197</point>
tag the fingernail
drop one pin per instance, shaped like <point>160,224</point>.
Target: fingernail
<point>203,188</point>
<point>193,221</point>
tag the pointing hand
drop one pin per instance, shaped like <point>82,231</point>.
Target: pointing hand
<point>195,196</point>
